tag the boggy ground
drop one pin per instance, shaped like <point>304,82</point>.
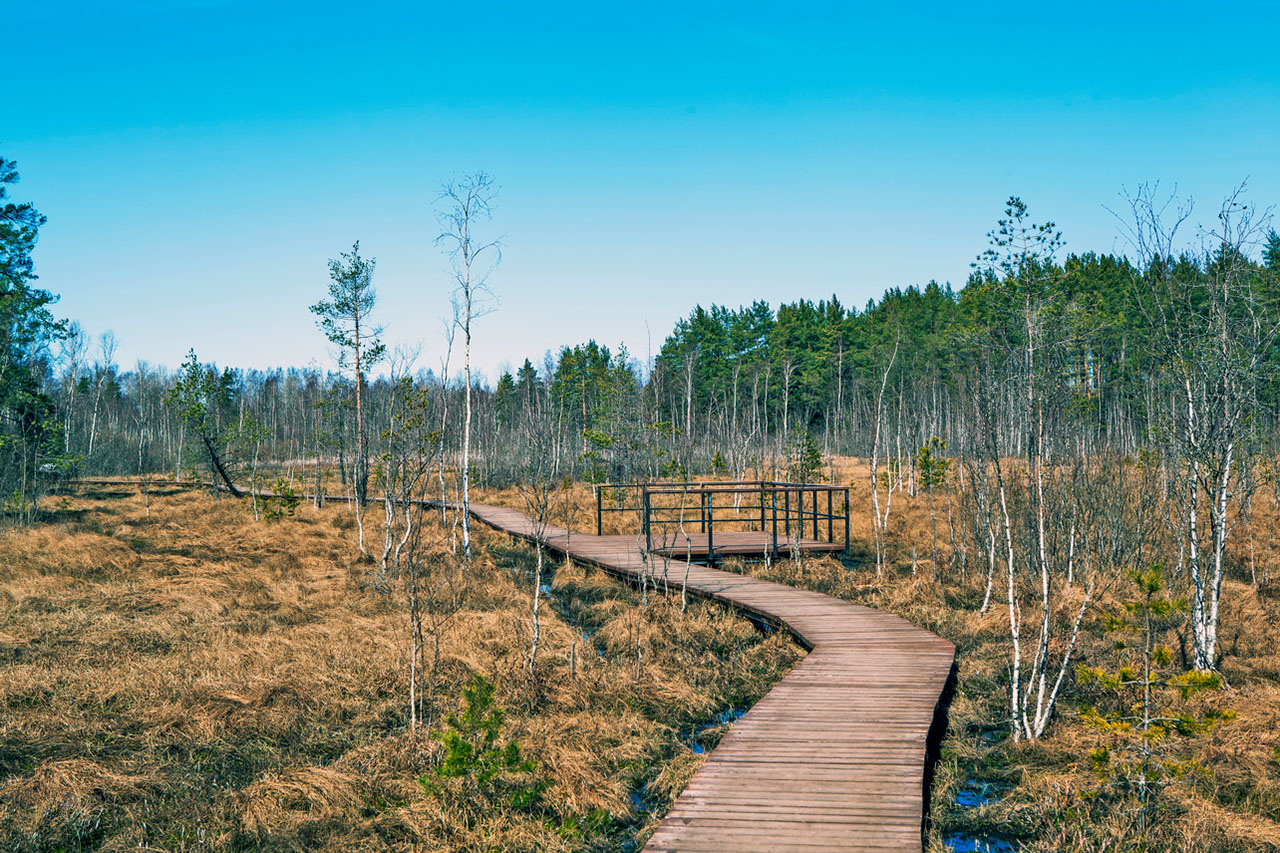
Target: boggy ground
<point>177,676</point>
<point>1224,791</point>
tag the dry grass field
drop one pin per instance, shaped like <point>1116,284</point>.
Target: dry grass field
<point>177,676</point>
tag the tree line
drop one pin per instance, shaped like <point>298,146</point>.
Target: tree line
<point>1083,413</point>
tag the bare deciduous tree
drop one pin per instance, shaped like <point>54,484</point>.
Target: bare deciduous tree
<point>468,202</point>
<point>540,478</point>
<point>103,370</point>
<point>880,521</point>
<point>1212,334</point>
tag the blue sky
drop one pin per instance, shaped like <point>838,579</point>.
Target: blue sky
<point>200,161</point>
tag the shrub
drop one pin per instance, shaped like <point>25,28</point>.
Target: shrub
<point>283,503</point>
<point>476,757</point>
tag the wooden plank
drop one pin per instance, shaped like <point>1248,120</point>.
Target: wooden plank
<point>833,758</point>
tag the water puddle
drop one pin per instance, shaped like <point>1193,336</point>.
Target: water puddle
<point>977,793</point>
<point>727,717</point>
<point>974,794</point>
<point>640,800</point>
<point>965,842</point>
<point>587,640</point>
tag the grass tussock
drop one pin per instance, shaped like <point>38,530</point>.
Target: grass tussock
<point>178,676</point>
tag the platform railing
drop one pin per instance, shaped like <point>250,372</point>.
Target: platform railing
<point>785,511</point>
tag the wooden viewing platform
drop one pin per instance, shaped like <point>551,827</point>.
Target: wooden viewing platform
<point>731,518</point>
<point>835,757</point>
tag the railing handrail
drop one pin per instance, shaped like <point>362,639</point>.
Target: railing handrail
<point>677,487</point>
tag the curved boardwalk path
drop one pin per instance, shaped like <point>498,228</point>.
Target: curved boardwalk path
<point>834,757</point>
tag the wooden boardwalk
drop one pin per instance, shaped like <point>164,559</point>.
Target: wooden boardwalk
<point>834,757</point>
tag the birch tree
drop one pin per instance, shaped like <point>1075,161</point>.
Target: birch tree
<point>539,479</point>
<point>1027,337</point>
<point>880,521</point>
<point>74,348</point>
<point>103,370</point>
<point>467,202</point>
<point>1213,330</point>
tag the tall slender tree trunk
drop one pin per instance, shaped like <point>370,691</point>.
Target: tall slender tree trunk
<point>362,450</point>
<point>466,434</point>
<point>879,521</point>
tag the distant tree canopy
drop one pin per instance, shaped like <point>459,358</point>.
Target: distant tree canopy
<point>726,380</point>
<point>811,365</point>
<point>29,427</point>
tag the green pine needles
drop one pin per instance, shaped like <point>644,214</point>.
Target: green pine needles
<point>806,458</point>
<point>476,760</point>
<point>1144,708</point>
<point>282,503</point>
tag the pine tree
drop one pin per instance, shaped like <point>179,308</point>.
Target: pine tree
<point>1142,705</point>
<point>29,425</point>
<point>345,319</point>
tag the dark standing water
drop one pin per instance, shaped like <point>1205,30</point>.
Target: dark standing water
<point>640,800</point>
<point>963,842</point>
<point>727,717</point>
<point>975,794</point>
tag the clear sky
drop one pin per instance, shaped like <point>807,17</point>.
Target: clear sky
<point>199,161</point>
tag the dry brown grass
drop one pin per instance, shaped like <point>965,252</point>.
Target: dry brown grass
<point>188,679</point>
<point>185,678</point>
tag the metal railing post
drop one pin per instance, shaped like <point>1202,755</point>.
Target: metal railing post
<point>846,521</point>
<point>711,532</point>
<point>830,516</point>
<point>762,506</point>
<point>786,512</point>
<point>599,511</point>
<point>644,509</point>
<point>815,514</point>
<point>773,495</point>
